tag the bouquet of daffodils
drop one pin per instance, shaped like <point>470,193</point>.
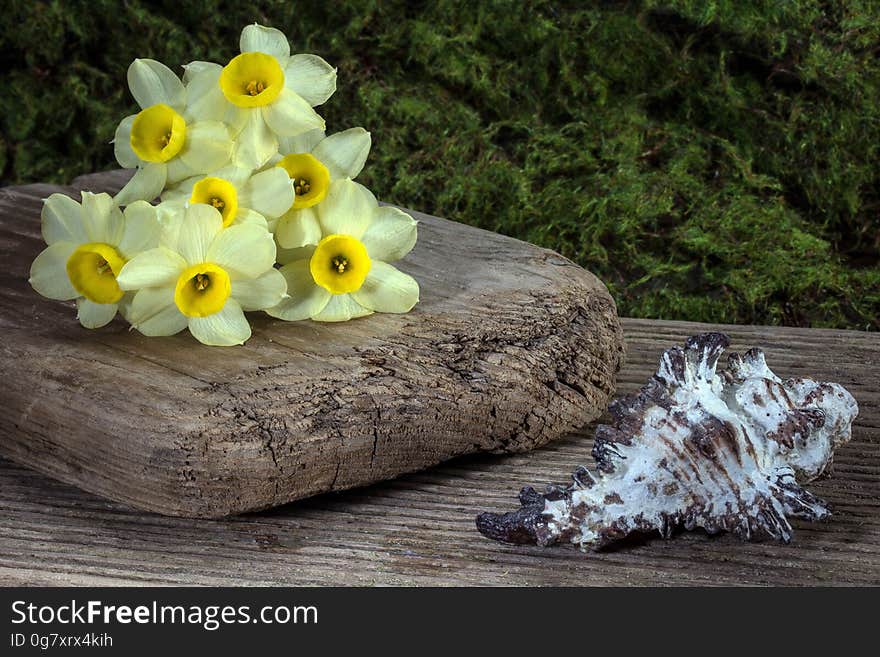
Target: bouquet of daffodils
<point>258,207</point>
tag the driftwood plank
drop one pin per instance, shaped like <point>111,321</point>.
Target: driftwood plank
<point>512,346</point>
<point>419,528</point>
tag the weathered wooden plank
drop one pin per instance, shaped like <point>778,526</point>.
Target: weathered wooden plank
<point>511,347</point>
<point>419,529</point>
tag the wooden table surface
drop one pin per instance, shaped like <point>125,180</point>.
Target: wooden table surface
<point>419,529</point>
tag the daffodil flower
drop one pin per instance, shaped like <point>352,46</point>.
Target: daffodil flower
<point>347,273</point>
<point>163,141</point>
<point>313,162</point>
<point>203,277</point>
<point>239,196</point>
<point>88,245</point>
<point>264,93</point>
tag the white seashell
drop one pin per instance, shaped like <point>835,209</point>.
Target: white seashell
<point>695,449</point>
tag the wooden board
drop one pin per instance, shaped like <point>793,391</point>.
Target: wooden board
<point>419,528</point>
<point>511,347</point>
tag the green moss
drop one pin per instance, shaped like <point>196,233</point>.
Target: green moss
<point>710,161</point>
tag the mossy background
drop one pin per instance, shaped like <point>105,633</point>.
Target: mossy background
<point>711,161</point>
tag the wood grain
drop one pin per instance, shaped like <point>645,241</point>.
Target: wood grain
<point>511,347</point>
<point>419,529</point>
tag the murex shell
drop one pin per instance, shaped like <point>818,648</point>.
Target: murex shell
<point>695,449</point>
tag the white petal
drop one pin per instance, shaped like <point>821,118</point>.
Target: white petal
<point>49,272</point>
<point>194,68</point>
<point>201,226</point>
<point>387,290</point>
<point>286,256</point>
<point>102,218</point>
<point>180,192</point>
<point>204,97</point>
<point>248,216</point>
<point>95,315</point>
<point>303,143</point>
<point>153,312</point>
<point>310,77</point>
<point>141,231</point>
<point>235,174</point>
<point>122,144</point>
<point>256,143</point>
<point>291,115</point>
<point>208,146</point>
<point>256,38</point>
<point>344,153</point>
<point>305,298</point>
<point>346,210</point>
<point>62,220</point>
<point>152,82</point>
<point>124,304</point>
<point>341,308</point>
<point>237,117</point>
<point>298,228</point>
<point>244,250</point>
<point>171,216</point>
<point>371,198</point>
<point>145,185</point>
<point>178,170</point>
<point>260,293</point>
<point>269,192</point>
<point>222,329</point>
<point>153,268</point>
<point>391,235</point>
